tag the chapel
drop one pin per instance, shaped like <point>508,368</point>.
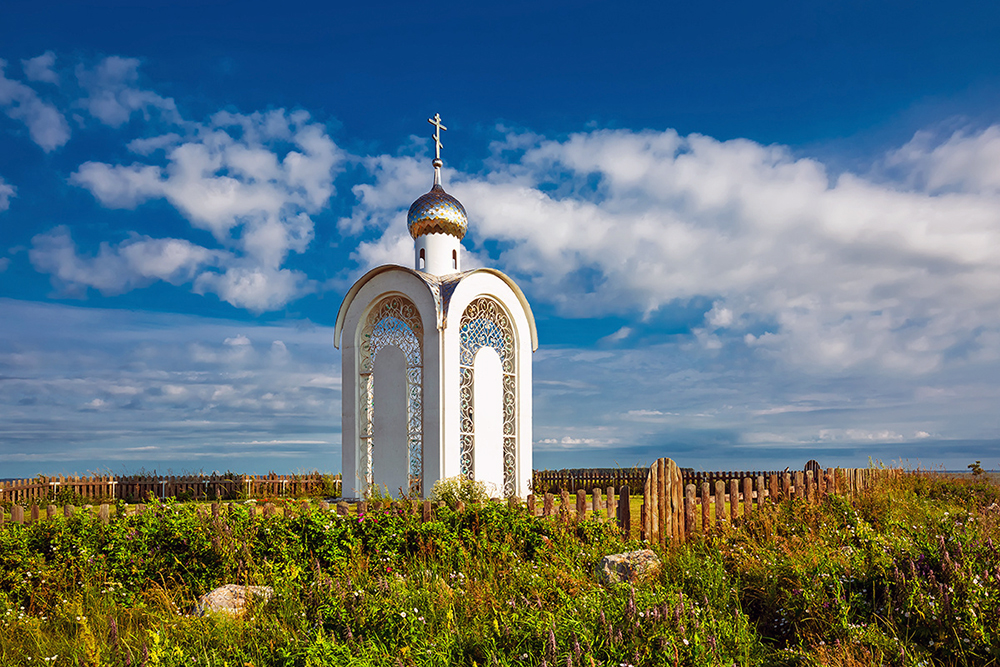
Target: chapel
<point>436,364</point>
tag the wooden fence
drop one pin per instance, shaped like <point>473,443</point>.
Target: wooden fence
<point>575,479</point>
<point>674,509</point>
<point>671,511</point>
<point>603,505</point>
<point>140,487</point>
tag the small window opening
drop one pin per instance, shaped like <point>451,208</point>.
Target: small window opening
<point>422,259</point>
<point>454,259</point>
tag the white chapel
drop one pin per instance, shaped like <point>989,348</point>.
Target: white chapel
<point>436,365</point>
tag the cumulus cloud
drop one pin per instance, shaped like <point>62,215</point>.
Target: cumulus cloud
<point>968,161</point>
<point>41,68</point>
<point>46,124</point>
<point>136,262</point>
<point>253,181</point>
<point>112,96</point>
<point>255,288</point>
<point>822,270</point>
<point>7,191</point>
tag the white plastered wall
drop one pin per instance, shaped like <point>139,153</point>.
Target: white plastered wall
<point>442,254</point>
<point>471,287</point>
<point>392,281</point>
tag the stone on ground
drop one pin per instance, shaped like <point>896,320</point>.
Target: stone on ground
<point>629,567</point>
<point>231,599</point>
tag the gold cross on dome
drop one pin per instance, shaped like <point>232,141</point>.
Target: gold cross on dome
<point>436,122</point>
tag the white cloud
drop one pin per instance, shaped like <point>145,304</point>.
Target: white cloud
<point>719,317</point>
<point>258,289</point>
<point>618,336</point>
<point>41,68</point>
<point>966,162</point>
<point>117,186</point>
<point>253,181</point>
<point>7,191</point>
<point>46,125</point>
<point>821,271</point>
<point>112,97</point>
<point>107,386</point>
<point>138,261</point>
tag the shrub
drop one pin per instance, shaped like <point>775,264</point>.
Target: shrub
<point>453,489</point>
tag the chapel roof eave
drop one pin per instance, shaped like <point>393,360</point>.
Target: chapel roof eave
<point>441,289</point>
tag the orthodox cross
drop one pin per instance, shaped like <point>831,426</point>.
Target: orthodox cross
<point>436,122</point>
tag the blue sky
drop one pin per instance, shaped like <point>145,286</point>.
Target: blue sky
<point>751,235</point>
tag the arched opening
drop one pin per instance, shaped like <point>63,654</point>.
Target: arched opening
<point>390,398</point>
<point>423,259</point>
<point>454,259</point>
<point>486,325</point>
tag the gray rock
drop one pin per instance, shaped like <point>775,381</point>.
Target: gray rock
<point>629,567</point>
<point>231,599</point>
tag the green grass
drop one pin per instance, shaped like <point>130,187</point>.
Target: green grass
<point>908,574</point>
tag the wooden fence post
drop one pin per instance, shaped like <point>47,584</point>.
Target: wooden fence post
<point>646,521</point>
<point>760,490</point>
<point>625,512</point>
<point>810,487</point>
<point>747,497</point>
<point>800,485</point>
<point>51,511</point>
<point>581,505</point>
<point>564,505</point>
<point>595,501</point>
<point>105,514</point>
<point>548,506</point>
<point>531,504</point>
<point>68,511</point>
<point>17,514</point>
<point>611,503</point>
<point>663,486</point>
<point>34,513</point>
<point>677,519</point>
<point>772,490</point>
<point>427,516</point>
<point>734,499</point>
<point>720,502</point>
<point>706,496</point>
<point>689,492</point>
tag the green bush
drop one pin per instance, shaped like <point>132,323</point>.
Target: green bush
<point>459,488</point>
<point>906,574</point>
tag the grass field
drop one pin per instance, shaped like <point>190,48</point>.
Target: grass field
<point>907,574</point>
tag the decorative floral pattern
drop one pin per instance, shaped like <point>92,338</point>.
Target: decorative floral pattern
<point>393,321</point>
<point>486,324</point>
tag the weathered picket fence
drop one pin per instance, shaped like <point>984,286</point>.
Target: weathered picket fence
<point>574,479</point>
<point>670,509</point>
<point>141,487</point>
<point>602,505</point>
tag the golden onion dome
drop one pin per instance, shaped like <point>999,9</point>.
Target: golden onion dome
<point>437,212</point>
